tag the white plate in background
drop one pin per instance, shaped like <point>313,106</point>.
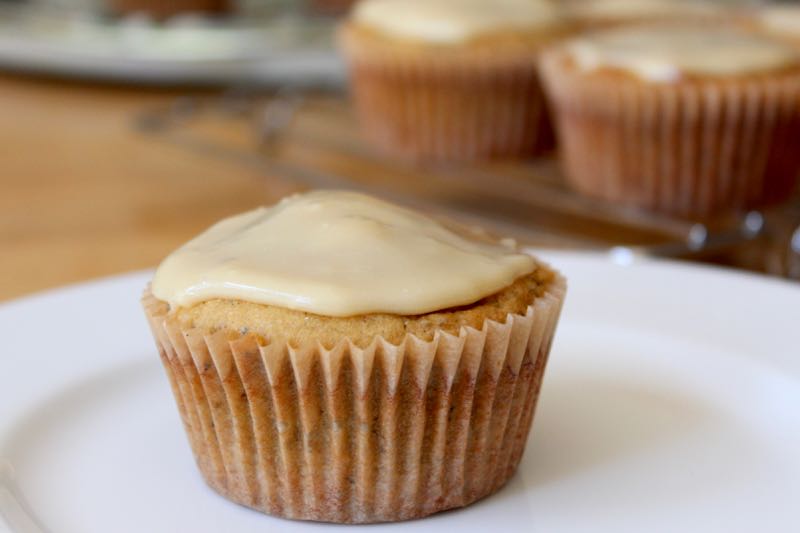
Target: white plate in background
<point>671,403</point>
<point>275,48</point>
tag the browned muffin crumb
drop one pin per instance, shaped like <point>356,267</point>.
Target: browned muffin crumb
<point>299,327</point>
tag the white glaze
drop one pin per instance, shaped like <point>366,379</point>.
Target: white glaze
<point>608,10</point>
<point>782,19</point>
<point>337,253</point>
<point>452,21</point>
<point>663,54</point>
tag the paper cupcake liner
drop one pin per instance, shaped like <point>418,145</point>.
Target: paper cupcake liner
<point>693,148</point>
<point>352,435</point>
<point>469,107</point>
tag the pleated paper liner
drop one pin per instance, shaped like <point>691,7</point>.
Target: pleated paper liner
<point>354,435</point>
<point>448,108</point>
<point>691,148</point>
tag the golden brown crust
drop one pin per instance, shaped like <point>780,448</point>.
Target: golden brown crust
<point>299,327</point>
<point>692,148</point>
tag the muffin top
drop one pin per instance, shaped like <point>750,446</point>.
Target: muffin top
<point>627,10</point>
<point>781,19</point>
<point>337,254</point>
<point>668,53</point>
<point>453,21</point>
<point>301,328</point>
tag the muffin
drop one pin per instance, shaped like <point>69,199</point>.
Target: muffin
<point>689,121</point>
<point>598,14</point>
<point>451,80</point>
<point>337,358</point>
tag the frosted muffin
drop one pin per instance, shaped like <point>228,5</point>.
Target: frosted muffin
<point>451,79</point>
<point>685,120</point>
<point>597,14</point>
<point>341,359</point>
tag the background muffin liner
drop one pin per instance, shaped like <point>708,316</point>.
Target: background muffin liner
<point>349,434</point>
<point>693,148</point>
<point>450,106</point>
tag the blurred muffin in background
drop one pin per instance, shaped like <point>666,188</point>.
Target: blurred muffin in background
<point>590,14</point>
<point>451,79</point>
<point>781,21</point>
<point>687,120</point>
<point>162,9</point>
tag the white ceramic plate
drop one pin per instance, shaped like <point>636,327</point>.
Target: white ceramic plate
<point>671,403</point>
<point>255,48</point>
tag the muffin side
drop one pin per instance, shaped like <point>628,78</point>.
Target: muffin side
<point>696,146</point>
<point>387,431</point>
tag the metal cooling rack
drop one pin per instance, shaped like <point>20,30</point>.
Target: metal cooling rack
<point>312,141</point>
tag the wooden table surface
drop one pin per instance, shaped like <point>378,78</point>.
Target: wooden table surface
<point>84,194</point>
